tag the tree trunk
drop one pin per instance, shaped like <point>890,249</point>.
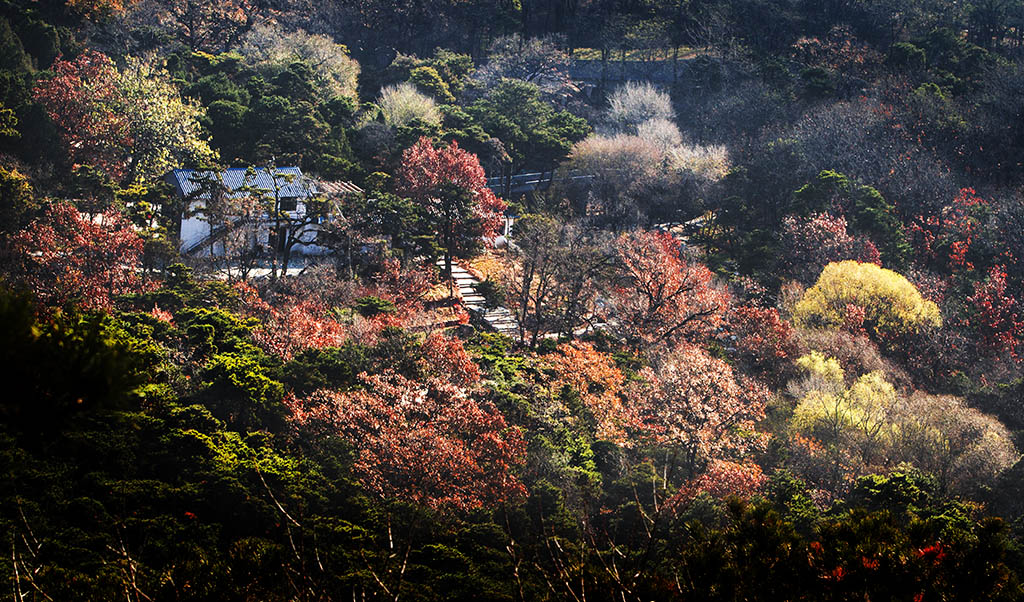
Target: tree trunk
<point>448,272</point>
<point>604,67</point>
<point>524,300</point>
<point>675,64</point>
<point>348,259</point>
<point>286,254</point>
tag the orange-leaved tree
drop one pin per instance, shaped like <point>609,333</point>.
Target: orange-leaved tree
<point>599,384</point>
<point>696,406</point>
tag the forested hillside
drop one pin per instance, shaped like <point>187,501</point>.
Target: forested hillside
<point>608,300</point>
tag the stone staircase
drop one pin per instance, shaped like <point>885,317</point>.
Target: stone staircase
<point>499,319</point>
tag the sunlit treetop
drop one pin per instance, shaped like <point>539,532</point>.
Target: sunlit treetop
<point>890,304</point>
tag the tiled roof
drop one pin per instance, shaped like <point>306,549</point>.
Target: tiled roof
<point>339,188</point>
<point>186,181</point>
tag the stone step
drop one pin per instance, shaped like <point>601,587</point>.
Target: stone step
<point>500,319</point>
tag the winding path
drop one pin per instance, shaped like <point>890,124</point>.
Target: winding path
<point>499,319</point>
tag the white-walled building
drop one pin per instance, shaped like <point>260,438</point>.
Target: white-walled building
<point>283,189</point>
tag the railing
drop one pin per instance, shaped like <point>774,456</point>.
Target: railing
<point>528,182</point>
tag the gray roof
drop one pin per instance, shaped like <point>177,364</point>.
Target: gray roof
<point>185,181</point>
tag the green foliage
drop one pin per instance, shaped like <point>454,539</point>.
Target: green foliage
<point>791,498</point>
<point>181,289</point>
<point>17,201</point>
<point>385,214</point>
<point>333,368</point>
<point>215,330</point>
<point>218,87</point>
<point>534,134</point>
<point>271,108</point>
<point>8,123</point>
<point>133,123</point>
<point>369,307</point>
<point>818,82</point>
<point>61,366</point>
<point>492,292</point>
<point>429,81</point>
<point>870,214</point>
<point>905,490</point>
<point>907,56</point>
<point>11,50</point>
<point>241,393</point>
<point>493,352</point>
<point>954,61</point>
<point>450,72</point>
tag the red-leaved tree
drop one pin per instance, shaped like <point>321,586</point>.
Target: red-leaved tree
<point>406,288</point>
<point>994,315</point>
<point>132,124</point>
<point>945,240</point>
<point>295,325</point>
<point>64,257</point>
<point>451,186</point>
<point>661,297</point>
<point>446,358</point>
<point>291,324</point>
<point>81,99</point>
<point>426,442</point>
<point>301,316</point>
<point>763,337</point>
<point>723,478</point>
<point>809,244</point>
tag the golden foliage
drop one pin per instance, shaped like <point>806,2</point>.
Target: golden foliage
<point>890,303</point>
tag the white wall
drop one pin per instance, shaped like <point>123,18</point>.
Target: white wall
<point>193,230</point>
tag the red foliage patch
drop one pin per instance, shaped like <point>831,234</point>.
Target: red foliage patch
<point>64,257</point>
<point>426,442</point>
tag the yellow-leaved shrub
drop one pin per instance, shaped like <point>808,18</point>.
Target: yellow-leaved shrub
<point>891,306</point>
<point>844,431</point>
